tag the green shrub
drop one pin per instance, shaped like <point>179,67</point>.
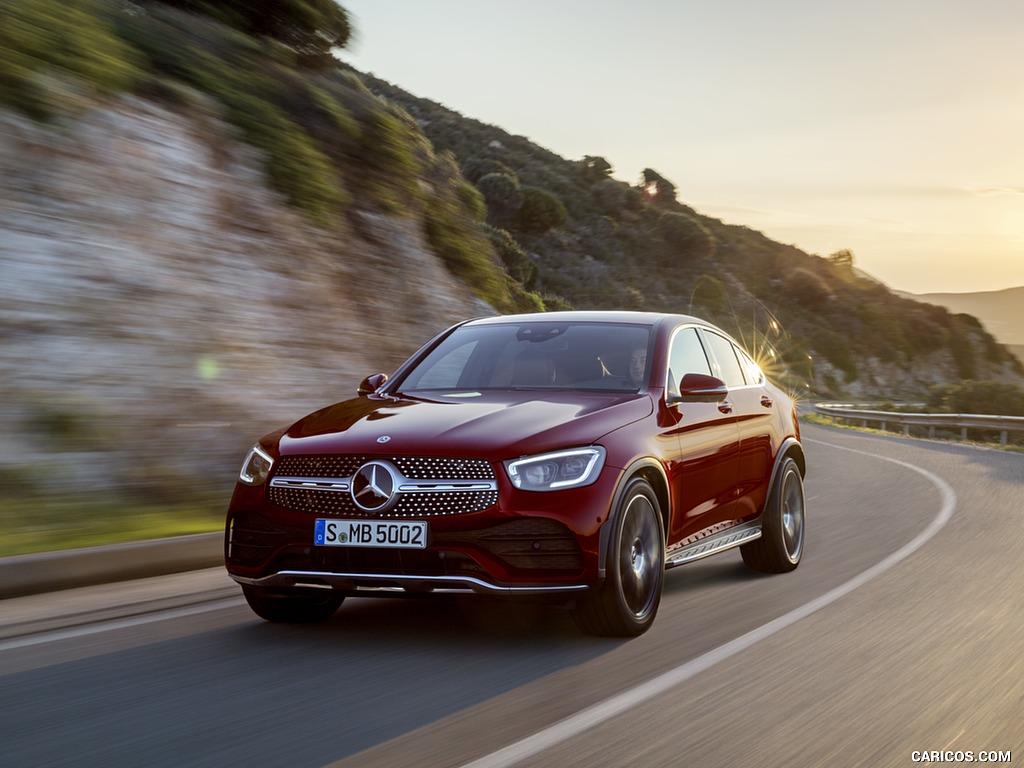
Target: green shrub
<point>392,169</point>
<point>264,102</point>
<point>297,167</point>
<point>520,266</point>
<point>686,237</point>
<point>472,199</point>
<point>43,42</point>
<point>986,397</point>
<point>501,192</point>
<point>310,27</point>
<point>329,109</point>
<point>835,348</point>
<point>611,197</point>
<point>456,237</point>
<point>476,168</point>
<point>540,211</point>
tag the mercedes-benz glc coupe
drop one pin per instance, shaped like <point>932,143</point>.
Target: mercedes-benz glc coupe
<point>572,455</point>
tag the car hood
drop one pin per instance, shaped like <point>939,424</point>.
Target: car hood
<point>490,426</point>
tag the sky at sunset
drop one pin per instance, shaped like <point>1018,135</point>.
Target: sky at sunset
<point>894,129</point>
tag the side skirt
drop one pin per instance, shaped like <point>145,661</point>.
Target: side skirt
<point>712,545</point>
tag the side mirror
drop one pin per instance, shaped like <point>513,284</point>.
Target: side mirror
<point>699,388</point>
<point>371,384</point>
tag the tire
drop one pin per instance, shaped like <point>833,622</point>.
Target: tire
<point>292,606</point>
<point>782,533</point>
<point>625,604</point>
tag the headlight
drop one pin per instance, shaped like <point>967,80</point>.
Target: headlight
<point>554,471</point>
<point>256,467</point>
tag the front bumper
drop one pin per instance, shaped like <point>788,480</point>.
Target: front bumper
<point>376,582</point>
<point>523,542</point>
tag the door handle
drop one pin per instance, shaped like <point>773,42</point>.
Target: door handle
<point>725,407</point>
<point>766,401</point>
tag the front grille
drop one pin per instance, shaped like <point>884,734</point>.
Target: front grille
<point>319,466</point>
<point>413,467</point>
<point>409,504</point>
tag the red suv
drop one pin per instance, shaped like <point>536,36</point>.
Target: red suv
<point>576,454</point>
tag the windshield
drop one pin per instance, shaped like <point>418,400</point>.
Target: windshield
<point>553,356</point>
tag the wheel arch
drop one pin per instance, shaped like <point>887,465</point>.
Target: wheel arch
<point>651,470</point>
<point>794,449</point>
<point>791,448</point>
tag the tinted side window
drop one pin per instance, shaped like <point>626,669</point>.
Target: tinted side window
<point>687,356</point>
<point>724,355</point>
<point>750,368</point>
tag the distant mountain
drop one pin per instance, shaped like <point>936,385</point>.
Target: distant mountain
<point>1001,312</point>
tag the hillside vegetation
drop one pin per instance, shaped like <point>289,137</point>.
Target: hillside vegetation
<point>211,223</point>
<point>565,232</point>
<point>638,246</point>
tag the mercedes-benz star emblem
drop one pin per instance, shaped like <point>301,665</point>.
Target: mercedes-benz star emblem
<point>373,486</point>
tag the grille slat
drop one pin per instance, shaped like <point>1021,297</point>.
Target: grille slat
<point>409,504</point>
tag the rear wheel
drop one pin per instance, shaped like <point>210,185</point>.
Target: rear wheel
<point>782,528</point>
<point>626,603</point>
<point>292,606</point>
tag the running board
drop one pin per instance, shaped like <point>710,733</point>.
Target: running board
<point>712,545</point>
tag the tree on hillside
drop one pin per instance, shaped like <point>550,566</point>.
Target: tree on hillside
<point>503,196</point>
<point>476,168</point>
<point>656,187</point>
<point>842,258</point>
<point>596,168</point>
<point>310,27</point>
<point>686,236</point>
<point>540,211</point>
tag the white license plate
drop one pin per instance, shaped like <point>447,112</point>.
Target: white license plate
<point>370,533</point>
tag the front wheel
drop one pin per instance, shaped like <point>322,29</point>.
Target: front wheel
<point>626,603</point>
<point>292,606</point>
<point>782,529</point>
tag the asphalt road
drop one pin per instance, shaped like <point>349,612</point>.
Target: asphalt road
<point>902,632</point>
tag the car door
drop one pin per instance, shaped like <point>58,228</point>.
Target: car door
<point>753,411</point>
<point>705,468</point>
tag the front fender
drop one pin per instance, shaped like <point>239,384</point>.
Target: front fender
<point>651,470</point>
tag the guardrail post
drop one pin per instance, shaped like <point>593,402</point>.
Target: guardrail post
<point>963,434</point>
<point>1002,438</point>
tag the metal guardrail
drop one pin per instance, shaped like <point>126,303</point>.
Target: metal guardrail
<point>933,421</point>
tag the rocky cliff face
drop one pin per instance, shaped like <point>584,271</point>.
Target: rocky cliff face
<point>160,307</point>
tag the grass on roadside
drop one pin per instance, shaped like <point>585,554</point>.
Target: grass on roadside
<point>38,525</point>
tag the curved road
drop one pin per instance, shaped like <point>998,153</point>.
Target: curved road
<point>901,633</point>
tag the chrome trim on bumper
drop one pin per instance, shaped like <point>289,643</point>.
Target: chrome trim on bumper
<point>311,483</point>
<point>427,486</point>
<point>380,581</point>
<point>405,486</point>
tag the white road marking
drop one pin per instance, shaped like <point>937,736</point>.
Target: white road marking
<point>112,624</point>
<point>624,702</point>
